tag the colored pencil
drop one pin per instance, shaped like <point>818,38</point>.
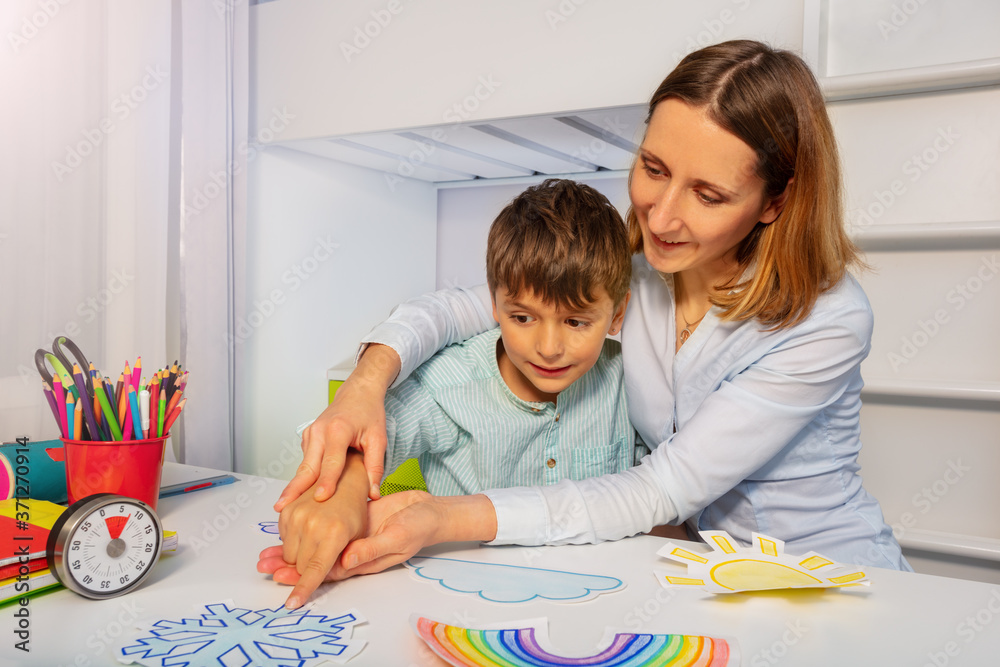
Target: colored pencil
<point>133,402</point>
<point>78,420</point>
<point>102,396</point>
<point>137,373</point>
<point>98,413</point>
<point>93,432</point>
<point>156,407</point>
<point>50,398</point>
<point>60,396</point>
<point>123,407</point>
<point>118,388</point>
<point>173,416</point>
<point>144,412</point>
<point>70,413</point>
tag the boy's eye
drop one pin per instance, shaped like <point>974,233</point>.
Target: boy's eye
<point>576,324</point>
<point>520,319</point>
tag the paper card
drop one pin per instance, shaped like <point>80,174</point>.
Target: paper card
<point>526,643</point>
<point>511,583</point>
<point>730,567</point>
<point>227,635</point>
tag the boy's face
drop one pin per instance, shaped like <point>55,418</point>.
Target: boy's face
<point>547,347</point>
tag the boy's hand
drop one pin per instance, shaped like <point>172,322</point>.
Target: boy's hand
<point>314,533</point>
<point>355,419</point>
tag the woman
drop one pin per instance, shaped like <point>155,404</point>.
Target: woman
<point>742,344</point>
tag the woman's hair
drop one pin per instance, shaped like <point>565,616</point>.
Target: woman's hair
<point>770,99</point>
<point>561,240</point>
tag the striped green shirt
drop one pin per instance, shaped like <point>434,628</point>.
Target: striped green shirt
<point>471,433</point>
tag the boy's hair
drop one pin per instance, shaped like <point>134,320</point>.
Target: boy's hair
<point>560,240</point>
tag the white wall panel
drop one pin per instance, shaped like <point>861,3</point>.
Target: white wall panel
<point>921,158</point>
<point>373,65</point>
<point>308,303</point>
<point>937,315</point>
<point>878,35</point>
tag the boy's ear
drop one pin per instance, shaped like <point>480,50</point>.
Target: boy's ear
<point>776,205</point>
<point>493,301</point>
<point>619,317</point>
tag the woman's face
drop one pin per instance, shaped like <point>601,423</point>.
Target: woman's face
<point>695,193</point>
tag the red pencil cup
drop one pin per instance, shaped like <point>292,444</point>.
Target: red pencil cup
<point>130,468</point>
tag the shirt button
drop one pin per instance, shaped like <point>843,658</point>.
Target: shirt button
<point>535,410</point>
<point>551,463</point>
<point>557,417</point>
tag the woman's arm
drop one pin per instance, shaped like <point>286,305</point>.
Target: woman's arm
<point>355,419</point>
<point>738,429</point>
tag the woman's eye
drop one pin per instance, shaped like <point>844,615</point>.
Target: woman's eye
<point>708,200</point>
<point>651,170</point>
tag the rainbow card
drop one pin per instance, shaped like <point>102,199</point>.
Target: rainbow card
<point>524,645</point>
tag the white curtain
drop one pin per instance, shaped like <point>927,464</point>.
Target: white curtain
<point>116,116</point>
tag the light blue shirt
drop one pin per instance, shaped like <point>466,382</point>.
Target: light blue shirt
<point>456,415</point>
<point>751,430</point>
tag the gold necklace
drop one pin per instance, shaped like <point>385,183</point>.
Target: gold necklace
<point>689,327</point>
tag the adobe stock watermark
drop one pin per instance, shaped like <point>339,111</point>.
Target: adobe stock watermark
<point>293,277</point>
<point>957,298</point>
<point>930,495</point>
<point>714,28</point>
<point>363,35</point>
<point>609,134</point>
<point>228,514</point>
<point>87,310</point>
<point>899,16</point>
<point>637,618</point>
<point>913,168</point>
<point>779,649</point>
<point>457,113</point>
<point>218,182</point>
<point>34,23</point>
<point>970,627</point>
<point>121,108</point>
<point>104,639</point>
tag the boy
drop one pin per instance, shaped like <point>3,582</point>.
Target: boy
<point>540,399</point>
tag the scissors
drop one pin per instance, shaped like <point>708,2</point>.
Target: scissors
<point>61,364</point>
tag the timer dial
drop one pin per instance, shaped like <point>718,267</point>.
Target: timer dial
<point>104,545</point>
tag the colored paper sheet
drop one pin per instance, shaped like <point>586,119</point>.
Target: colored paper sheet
<point>229,635</point>
<point>38,581</point>
<point>25,523</point>
<point>526,644</point>
<point>512,583</point>
<point>731,568</point>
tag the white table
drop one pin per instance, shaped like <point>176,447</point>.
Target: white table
<point>902,619</point>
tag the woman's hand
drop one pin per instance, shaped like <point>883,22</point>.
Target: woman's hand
<point>355,419</point>
<point>403,523</point>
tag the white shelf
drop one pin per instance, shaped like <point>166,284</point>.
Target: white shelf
<point>956,391</point>
<point>952,544</point>
<point>951,76</point>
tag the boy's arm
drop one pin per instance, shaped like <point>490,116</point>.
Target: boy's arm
<point>314,533</point>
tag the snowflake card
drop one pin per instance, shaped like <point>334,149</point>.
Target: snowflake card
<point>731,568</point>
<point>229,636</point>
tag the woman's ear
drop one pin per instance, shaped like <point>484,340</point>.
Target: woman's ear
<point>619,316</point>
<point>776,205</point>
